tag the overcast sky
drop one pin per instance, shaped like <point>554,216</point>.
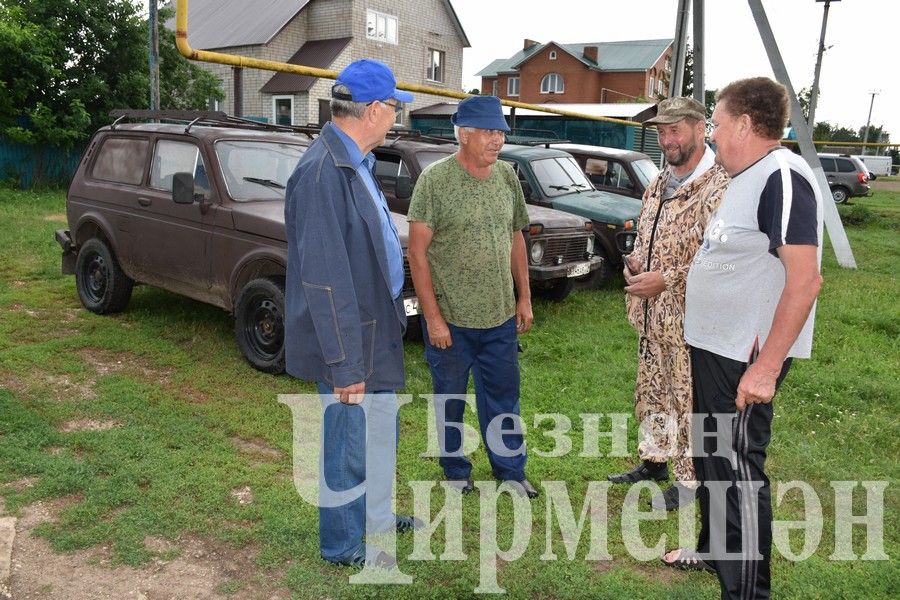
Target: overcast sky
<point>861,57</point>
<point>861,41</point>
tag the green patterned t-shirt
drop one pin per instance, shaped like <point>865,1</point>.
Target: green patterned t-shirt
<point>472,221</point>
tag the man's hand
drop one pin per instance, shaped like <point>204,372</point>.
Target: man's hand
<point>352,394</point>
<point>757,386</point>
<point>524,316</point>
<point>644,285</point>
<point>438,332</point>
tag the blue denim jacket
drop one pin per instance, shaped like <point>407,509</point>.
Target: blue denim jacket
<point>341,324</point>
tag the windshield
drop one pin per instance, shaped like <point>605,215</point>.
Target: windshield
<point>560,175</point>
<point>257,170</point>
<point>645,170</point>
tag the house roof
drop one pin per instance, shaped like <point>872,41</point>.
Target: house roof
<point>227,23</point>
<point>318,53</point>
<point>632,55</point>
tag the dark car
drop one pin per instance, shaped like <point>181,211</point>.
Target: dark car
<point>624,172</point>
<point>847,176</point>
<point>196,208</point>
<point>550,177</point>
<point>560,246</point>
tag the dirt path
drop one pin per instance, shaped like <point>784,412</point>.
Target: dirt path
<point>882,184</point>
<point>204,570</point>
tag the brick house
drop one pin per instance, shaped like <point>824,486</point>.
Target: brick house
<point>422,41</point>
<point>596,72</point>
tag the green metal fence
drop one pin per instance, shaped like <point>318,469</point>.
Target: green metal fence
<point>27,166</point>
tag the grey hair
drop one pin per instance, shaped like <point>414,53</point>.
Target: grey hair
<point>457,129</point>
<point>346,108</point>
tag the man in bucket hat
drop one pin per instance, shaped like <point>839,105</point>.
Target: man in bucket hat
<point>676,207</point>
<point>466,252</point>
<point>344,315</point>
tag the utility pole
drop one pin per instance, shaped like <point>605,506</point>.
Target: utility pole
<point>677,81</point>
<point>153,21</point>
<point>868,121</point>
<point>814,95</point>
<point>699,49</point>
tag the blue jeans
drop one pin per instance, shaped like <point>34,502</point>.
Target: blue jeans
<point>492,357</point>
<point>357,440</point>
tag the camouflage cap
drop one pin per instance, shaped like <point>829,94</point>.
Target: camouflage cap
<point>672,110</point>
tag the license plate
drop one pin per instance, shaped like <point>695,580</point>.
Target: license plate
<point>579,269</point>
<point>411,305</point>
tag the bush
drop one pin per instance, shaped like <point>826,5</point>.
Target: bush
<point>857,215</point>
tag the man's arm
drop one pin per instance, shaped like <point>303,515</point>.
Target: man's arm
<point>420,236</point>
<point>801,286</point>
<point>519,265</point>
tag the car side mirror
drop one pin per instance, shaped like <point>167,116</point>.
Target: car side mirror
<point>183,188</point>
<point>403,188</point>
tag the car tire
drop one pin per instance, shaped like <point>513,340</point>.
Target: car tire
<point>259,324</point>
<point>102,285</point>
<point>597,278</point>
<point>558,291</point>
<point>840,194</point>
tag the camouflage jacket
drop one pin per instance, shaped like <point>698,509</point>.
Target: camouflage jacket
<point>679,223</point>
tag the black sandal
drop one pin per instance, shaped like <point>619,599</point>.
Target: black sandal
<point>688,560</point>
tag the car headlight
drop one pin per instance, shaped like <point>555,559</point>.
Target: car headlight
<point>537,252</point>
<point>590,245</point>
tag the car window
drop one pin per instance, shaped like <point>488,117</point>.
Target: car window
<point>558,176</point>
<point>388,167</point>
<point>426,158</point>
<point>121,160</point>
<point>645,170</point>
<point>828,164</point>
<point>618,176</point>
<point>172,157</point>
<point>255,170</point>
<point>845,166</point>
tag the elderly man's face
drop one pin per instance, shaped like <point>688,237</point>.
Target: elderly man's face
<point>482,145</point>
<point>680,141</point>
<point>724,136</point>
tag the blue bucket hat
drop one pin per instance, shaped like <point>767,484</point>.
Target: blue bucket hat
<point>369,80</point>
<point>480,112</point>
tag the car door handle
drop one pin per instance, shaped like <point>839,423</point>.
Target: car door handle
<point>145,201</point>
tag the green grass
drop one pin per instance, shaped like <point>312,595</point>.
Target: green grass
<point>166,379</point>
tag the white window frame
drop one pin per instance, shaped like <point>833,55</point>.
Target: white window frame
<point>512,86</point>
<point>557,79</point>
<point>382,27</point>
<point>650,88</point>
<point>495,87</point>
<point>275,100</point>
<point>552,55</point>
<point>659,87</point>
<point>436,74</point>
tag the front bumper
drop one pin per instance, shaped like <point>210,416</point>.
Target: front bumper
<point>570,269</point>
<point>68,251</point>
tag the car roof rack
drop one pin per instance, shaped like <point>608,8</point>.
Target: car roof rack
<point>403,133</point>
<point>533,137</point>
<point>206,118</point>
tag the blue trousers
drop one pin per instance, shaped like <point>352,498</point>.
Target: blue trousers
<point>356,470</point>
<point>491,355</point>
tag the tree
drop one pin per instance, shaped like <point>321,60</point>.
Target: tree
<point>803,97</point>
<point>80,58</point>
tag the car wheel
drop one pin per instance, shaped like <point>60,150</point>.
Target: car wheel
<point>840,195</point>
<point>102,285</point>
<point>598,277</point>
<point>556,291</point>
<point>259,324</point>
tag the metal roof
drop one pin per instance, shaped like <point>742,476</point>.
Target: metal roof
<point>631,55</point>
<point>227,23</point>
<point>214,24</point>
<point>318,53</point>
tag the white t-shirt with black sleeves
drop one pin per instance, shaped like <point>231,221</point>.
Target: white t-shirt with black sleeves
<point>736,279</point>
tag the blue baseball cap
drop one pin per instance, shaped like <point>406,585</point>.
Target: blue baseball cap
<point>480,112</point>
<point>369,80</point>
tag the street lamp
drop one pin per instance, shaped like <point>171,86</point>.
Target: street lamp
<point>868,121</point>
<point>814,94</point>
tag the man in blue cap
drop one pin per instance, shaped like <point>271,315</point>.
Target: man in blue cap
<point>466,251</point>
<point>344,316</point>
